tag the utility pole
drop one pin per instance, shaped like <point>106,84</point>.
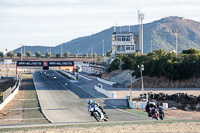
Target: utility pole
<point>103,47</point>
<point>92,53</point>
<point>130,91</point>
<point>140,27</point>
<point>151,45</point>
<point>21,54</point>
<point>61,50</point>
<point>24,51</point>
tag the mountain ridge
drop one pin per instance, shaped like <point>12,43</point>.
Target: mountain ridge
<point>159,32</point>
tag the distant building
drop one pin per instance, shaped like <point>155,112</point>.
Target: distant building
<point>122,43</point>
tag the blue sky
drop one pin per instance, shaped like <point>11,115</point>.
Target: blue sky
<point>52,22</point>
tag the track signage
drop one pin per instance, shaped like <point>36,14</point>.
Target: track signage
<point>29,63</point>
<point>61,63</point>
<point>45,63</point>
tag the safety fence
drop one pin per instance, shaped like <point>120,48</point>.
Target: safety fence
<point>5,94</point>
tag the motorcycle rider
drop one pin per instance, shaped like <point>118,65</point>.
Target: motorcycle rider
<point>149,105</point>
<point>159,107</point>
<point>90,103</point>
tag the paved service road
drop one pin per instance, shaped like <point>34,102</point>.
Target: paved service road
<point>61,104</point>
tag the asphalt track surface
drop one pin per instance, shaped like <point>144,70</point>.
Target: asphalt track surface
<point>69,104</point>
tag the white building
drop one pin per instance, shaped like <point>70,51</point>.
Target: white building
<point>122,43</point>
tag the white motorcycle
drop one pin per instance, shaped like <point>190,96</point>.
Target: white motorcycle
<point>97,113</point>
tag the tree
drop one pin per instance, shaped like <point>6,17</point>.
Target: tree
<point>108,53</point>
<point>10,54</point>
<point>75,55</point>
<point>57,55</point>
<point>94,55</point>
<point>19,54</point>
<point>190,51</point>
<point>99,58</point>
<point>28,53</point>
<point>66,54</point>
<point>48,55</point>
<point>1,54</point>
<point>38,54</point>
<point>86,55</point>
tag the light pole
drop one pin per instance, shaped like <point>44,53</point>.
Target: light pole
<point>92,53</point>
<point>103,47</point>
<point>141,69</point>
<point>6,63</point>
<point>61,50</point>
<point>130,99</point>
<point>6,51</point>
<point>22,52</point>
<point>176,42</point>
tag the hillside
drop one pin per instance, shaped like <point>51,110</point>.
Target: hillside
<point>159,32</point>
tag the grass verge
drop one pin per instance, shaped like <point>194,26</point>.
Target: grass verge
<point>31,102</point>
<point>51,127</point>
<point>134,111</point>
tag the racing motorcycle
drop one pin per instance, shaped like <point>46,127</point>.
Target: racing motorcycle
<point>97,113</point>
<point>154,113</point>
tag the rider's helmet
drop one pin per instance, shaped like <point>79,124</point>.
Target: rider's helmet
<point>148,103</point>
<point>89,101</point>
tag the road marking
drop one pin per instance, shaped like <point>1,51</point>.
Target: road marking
<point>85,77</point>
<point>104,101</point>
<point>25,99</point>
<point>24,108</point>
<point>23,119</point>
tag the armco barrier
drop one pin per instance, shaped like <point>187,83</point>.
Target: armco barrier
<point>137,105</point>
<point>107,93</point>
<point>68,74</point>
<point>10,97</point>
<point>105,81</point>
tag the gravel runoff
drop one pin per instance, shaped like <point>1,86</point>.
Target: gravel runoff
<point>185,127</point>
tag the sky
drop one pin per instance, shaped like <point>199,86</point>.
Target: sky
<point>52,22</point>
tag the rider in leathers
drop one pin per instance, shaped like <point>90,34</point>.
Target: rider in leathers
<point>90,103</point>
<point>149,104</point>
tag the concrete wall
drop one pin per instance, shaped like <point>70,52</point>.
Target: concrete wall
<point>10,97</point>
<point>105,81</point>
<point>107,93</point>
<point>68,74</point>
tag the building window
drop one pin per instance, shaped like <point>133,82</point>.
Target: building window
<point>119,38</point>
<point>120,48</point>
<point>123,38</point>
<point>130,47</point>
<point>127,38</point>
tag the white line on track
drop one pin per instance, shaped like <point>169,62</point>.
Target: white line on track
<point>103,100</point>
<point>25,99</point>
<point>24,108</point>
<point>84,77</point>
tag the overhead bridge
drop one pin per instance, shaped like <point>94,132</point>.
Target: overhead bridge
<point>44,64</point>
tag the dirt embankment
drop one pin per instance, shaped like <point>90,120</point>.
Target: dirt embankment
<point>163,82</point>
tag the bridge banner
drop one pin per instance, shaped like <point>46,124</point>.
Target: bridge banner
<point>45,63</point>
<point>29,63</point>
<point>61,63</point>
